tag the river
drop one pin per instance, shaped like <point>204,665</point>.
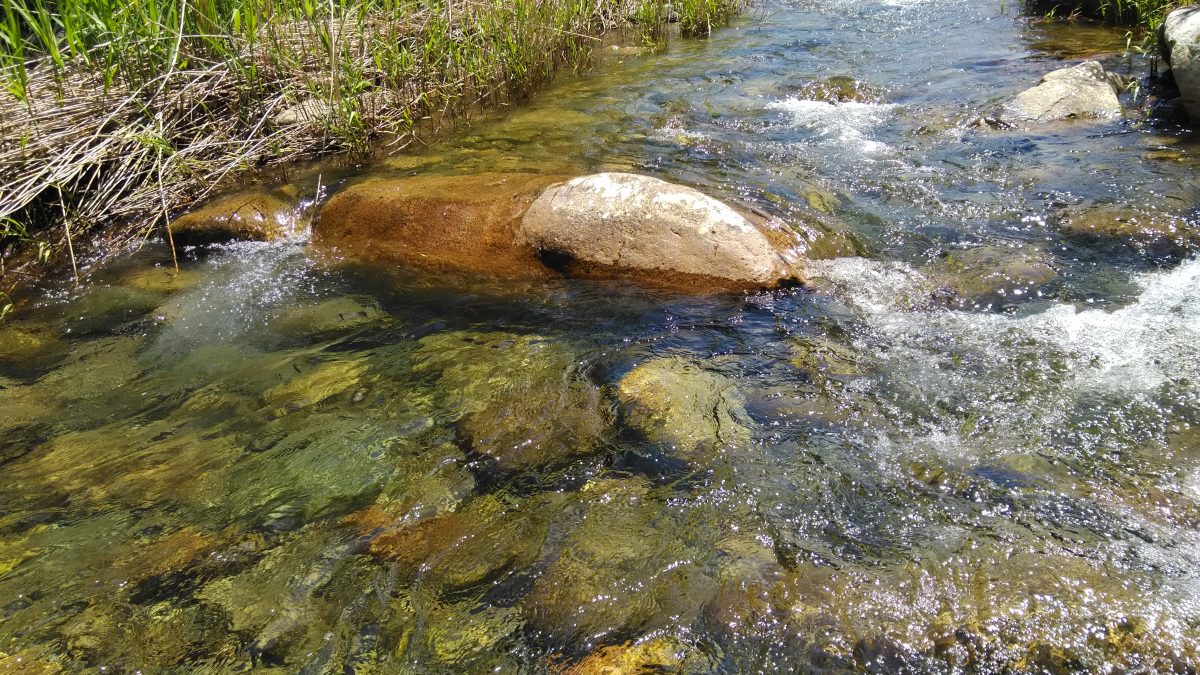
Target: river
<point>968,445</point>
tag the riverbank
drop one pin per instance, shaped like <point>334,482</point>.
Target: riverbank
<point>115,118</point>
<point>1147,14</point>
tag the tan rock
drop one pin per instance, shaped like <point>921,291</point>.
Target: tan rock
<point>657,655</point>
<point>639,223</point>
<point>1080,91</point>
<point>462,223</point>
<point>254,215</point>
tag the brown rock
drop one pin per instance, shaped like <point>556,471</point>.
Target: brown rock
<point>1119,222</point>
<point>659,655</point>
<point>460,549</point>
<point>254,215</point>
<point>464,223</point>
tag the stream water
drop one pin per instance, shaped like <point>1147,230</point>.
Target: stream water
<point>971,447</point>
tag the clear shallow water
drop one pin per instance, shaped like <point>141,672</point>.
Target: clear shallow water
<point>970,449</point>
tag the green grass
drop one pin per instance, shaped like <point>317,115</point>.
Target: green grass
<point>116,114</point>
<point>1143,13</point>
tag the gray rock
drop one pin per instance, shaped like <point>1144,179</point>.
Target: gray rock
<point>643,224</point>
<point>305,112</point>
<point>1181,48</point>
<point>1084,90</point>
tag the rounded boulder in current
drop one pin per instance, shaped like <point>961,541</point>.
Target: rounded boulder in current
<point>643,224</point>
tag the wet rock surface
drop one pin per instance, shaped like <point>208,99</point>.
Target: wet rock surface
<point>611,579</point>
<point>254,215</point>
<point>1083,91</point>
<point>640,223</point>
<point>522,399</point>
<point>692,411</point>
<point>992,275</point>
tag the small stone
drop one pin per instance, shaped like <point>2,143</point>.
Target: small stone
<point>305,112</point>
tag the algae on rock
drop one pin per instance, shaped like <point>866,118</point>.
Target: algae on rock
<point>522,400</point>
<point>615,574</point>
<point>679,403</point>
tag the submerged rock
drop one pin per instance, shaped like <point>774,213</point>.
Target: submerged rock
<point>826,358</point>
<point>161,279</point>
<point>462,223</point>
<point>1084,90</point>
<point>103,309</point>
<point>25,349</point>
<point>616,573</point>
<point>253,215</point>
<point>1180,42</point>
<point>839,89</point>
<point>521,399</point>
<point>461,549</point>
<point>655,655</point>
<point>332,315</point>
<point>313,384</point>
<point>643,224</point>
<point>678,403</point>
<point>1125,223</point>
<point>986,275</point>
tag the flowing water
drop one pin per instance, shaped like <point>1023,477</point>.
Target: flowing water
<point>970,445</point>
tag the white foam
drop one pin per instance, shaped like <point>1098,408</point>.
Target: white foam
<point>848,124</point>
<point>1137,348</point>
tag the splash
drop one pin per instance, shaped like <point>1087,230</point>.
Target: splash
<point>849,124</point>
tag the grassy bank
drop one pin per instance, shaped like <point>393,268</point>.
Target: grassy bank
<point>117,113</point>
<point>1134,13</point>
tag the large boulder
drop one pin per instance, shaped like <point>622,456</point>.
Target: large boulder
<point>461,223</point>
<point>1181,49</point>
<point>1084,90</point>
<point>643,224</point>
